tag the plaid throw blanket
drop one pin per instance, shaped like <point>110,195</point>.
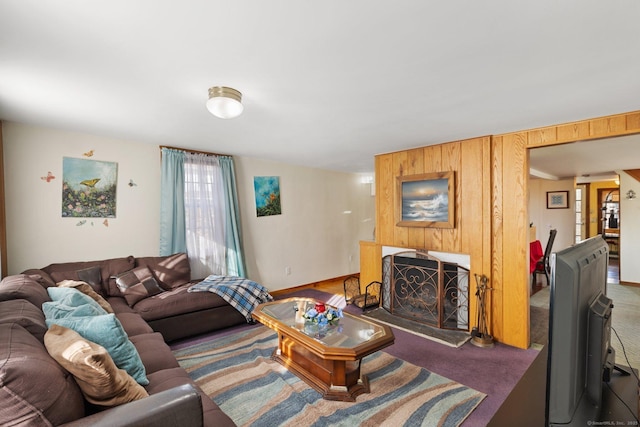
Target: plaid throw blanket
<point>242,294</point>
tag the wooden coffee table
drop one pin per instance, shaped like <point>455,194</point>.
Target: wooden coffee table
<point>328,359</point>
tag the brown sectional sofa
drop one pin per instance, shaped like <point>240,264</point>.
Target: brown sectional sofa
<point>175,313</point>
<point>37,390</point>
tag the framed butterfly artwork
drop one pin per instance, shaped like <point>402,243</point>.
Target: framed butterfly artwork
<point>88,188</point>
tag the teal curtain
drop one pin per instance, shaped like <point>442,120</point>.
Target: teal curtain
<point>235,253</point>
<point>172,215</point>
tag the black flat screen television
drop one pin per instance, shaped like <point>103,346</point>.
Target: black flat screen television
<point>580,354</point>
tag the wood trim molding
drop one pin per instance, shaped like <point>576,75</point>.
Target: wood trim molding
<point>634,173</point>
<point>3,216</point>
<point>596,128</point>
<point>634,284</point>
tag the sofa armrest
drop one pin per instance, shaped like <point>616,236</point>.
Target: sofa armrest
<point>178,406</point>
<point>46,280</point>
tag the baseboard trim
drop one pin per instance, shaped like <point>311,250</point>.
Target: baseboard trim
<point>634,284</point>
<point>313,285</point>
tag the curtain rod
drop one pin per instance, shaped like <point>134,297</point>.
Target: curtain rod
<point>194,151</point>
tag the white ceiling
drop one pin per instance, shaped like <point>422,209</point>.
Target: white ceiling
<point>594,160</point>
<point>325,84</point>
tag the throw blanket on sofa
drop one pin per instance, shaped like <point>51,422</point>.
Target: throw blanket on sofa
<point>242,294</point>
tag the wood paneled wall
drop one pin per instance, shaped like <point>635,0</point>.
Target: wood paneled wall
<point>491,217</point>
<point>470,160</point>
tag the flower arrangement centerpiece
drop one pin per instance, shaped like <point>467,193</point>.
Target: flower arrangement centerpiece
<point>323,315</point>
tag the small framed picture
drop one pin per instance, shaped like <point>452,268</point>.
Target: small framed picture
<point>557,200</point>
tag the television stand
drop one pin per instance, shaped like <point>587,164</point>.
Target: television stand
<point>623,386</point>
<point>525,405</point>
<point>624,370</point>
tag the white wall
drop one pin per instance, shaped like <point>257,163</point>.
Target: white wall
<point>313,236</point>
<point>629,230</point>
<point>324,216</point>
<point>545,219</point>
<point>37,235</point>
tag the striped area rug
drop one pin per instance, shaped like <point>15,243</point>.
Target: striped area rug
<point>238,374</point>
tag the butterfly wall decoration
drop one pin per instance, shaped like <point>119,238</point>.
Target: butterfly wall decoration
<point>47,178</point>
<point>88,153</point>
<point>132,184</point>
<point>90,182</point>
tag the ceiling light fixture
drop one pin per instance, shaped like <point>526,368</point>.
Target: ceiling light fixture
<point>224,102</point>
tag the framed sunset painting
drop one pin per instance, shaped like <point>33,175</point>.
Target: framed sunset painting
<point>426,200</point>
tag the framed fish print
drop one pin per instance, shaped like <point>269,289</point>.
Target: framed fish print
<point>426,200</point>
<point>88,188</point>
<point>557,200</point>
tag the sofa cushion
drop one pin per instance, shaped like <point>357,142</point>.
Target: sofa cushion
<point>176,302</point>
<point>171,271</point>
<point>137,285</point>
<point>154,352</point>
<point>133,324</point>
<point>108,269</point>
<point>34,388</point>
<point>40,276</point>
<point>91,276</point>
<point>100,380</point>
<point>25,314</point>
<point>119,305</point>
<point>107,331</point>
<point>88,291</point>
<point>23,286</point>
<point>168,378</point>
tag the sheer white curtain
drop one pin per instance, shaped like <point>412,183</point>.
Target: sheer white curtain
<point>205,215</point>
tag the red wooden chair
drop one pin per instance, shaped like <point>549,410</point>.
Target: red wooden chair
<point>542,266</point>
<point>535,254</point>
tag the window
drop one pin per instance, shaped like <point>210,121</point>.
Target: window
<point>204,205</point>
<point>198,212</point>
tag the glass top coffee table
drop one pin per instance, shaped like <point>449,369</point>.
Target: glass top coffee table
<point>327,357</point>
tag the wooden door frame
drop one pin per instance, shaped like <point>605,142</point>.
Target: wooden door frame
<point>3,217</point>
<point>518,297</point>
<point>601,191</point>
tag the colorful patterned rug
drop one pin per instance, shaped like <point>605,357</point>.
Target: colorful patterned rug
<point>237,372</point>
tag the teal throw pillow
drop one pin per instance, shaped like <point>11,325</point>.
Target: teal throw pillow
<point>73,298</point>
<point>59,310</point>
<point>106,330</point>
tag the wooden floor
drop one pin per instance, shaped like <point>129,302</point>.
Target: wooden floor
<point>613,272</point>
<point>333,286</point>
<point>613,276</point>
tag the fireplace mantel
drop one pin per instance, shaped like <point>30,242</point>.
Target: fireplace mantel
<point>371,254</point>
<point>463,260</point>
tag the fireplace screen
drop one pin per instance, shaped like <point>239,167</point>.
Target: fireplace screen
<point>419,287</point>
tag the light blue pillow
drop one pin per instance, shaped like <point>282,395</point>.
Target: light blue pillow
<point>106,330</point>
<point>59,310</point>
<point>73,298</point>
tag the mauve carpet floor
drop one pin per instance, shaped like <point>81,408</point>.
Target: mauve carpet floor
<point>493,371</point>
